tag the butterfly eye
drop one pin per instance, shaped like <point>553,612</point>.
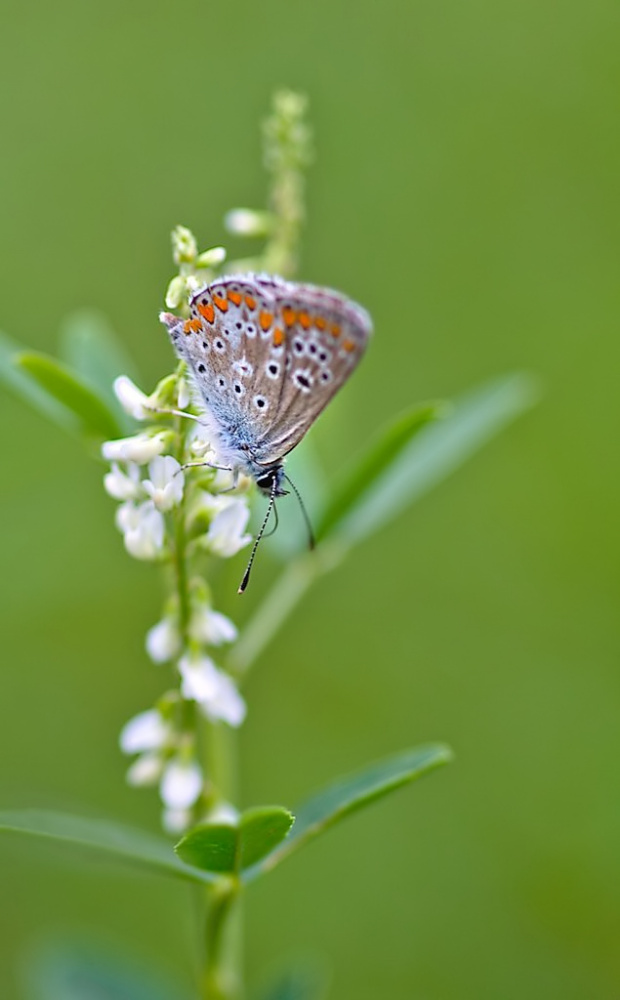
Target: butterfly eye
<point>298,346</point>
<point>260,402</point>
<point>238,388</point>
<point>219,345</point>
<point>273,369</point>
<point>201,369</point>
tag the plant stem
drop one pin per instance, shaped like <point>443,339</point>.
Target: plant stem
<point>283,597</point>
<point>221,977</point>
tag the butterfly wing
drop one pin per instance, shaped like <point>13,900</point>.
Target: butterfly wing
<point>267,356</point>
<point>324,338</point>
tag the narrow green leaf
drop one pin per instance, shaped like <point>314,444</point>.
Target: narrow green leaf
<point>348,795</point>
<point>376,460</point>
<point>223,848</point>
<point>212,847</point>
<point>23,386</point>
<point>66,387</point>
<point>438,451</point>
<point>75,971</point>
<point>121,842</point>
<point>90,347</point>
<point>261,830</point>
<point>306,979</point>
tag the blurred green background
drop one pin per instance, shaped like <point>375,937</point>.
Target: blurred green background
<point>466,191</point>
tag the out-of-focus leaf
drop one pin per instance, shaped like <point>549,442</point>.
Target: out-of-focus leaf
<point>120,842</point>
<point>72,971</point>
<point>261,830</point>
<point>437,451</point>
<point>90,347</point>
<point>304,469</point>
<point>350,794</point>
<point>374,464</point>
<point>23,386</point>
<point>222,848</point>
<point>305,979</point>
<point>94,415</point>
<point>212,847</point>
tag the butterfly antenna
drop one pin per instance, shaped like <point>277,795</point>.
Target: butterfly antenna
<point>311,538</point>
<point>246,575</point>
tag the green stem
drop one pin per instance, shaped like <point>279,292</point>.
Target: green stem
<point>221,979</point>
<point>283,597</point>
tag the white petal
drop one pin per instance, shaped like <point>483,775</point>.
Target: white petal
<point>199,678</point>
<point>143,528</point>
<point>176,821</point>
<point>223,812</point>
<point>123,486</point>
<point>165,487</point>
<point>163,641</point>
<point>226,531</point>
<point>146,770</point>
<point>181,784</point>
<point>226,705</point>
<point>140,448</point>
<point>211,627</point>
<point>146,731</point>
<point>215,691</point>
<point>132,399</point>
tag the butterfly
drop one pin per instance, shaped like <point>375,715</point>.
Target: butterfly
<point>266,355</point>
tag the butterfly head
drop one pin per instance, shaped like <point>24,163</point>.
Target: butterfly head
<point>270,483</point>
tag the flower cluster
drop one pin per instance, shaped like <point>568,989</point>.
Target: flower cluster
<point>172,515</point>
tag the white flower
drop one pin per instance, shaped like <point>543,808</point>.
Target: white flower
<point>140,448</point>
<point>163,641</point>
<point>184,396</point>
<point>215,691</point>
<point>147,769</point>
<point>181,784</point>
<point>146,731</point>
<point>247,222</point>
<point>176,821</point>
<point>132,399</point>
<point>121,485</point>
<point>226,532</point>
<point>143,529</point>
<point>165,487</point>
<point>211,627</point>
<point>225,813</point>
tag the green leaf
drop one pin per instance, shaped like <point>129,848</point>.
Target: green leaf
<point>348,795</point>
<point>440,449</point>
<point>212,847</point>
<point>71,971</point>
<point>224,848</point>
<point>95,417</point>
<point>90,347</point>
<point>23,386</point>
<point>121,842</point>
<point>261,829</point>
<point>375,461</point>
<point>307,979</point>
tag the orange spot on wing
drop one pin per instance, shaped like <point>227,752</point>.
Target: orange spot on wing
<point>289,316</point>
<point>335,330</point>
<point>348,345</point>
<point>250,302</point>
<point>192,326</point>
<point>235,298</point>
<point>221,303</point>
<point>304,319</point>
<point>320,323</point>
<point>265,320</point>
<point>206,309</point>
<point>278,337</point>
